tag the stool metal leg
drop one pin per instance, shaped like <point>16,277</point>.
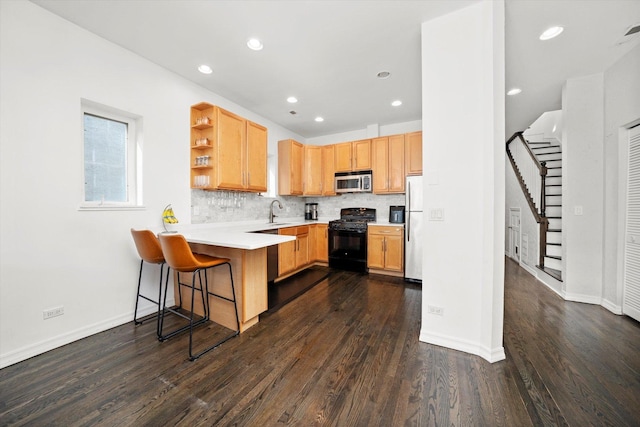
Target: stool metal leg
<point>166,310</point>
<point>135,313</point>
<point>193,357</point>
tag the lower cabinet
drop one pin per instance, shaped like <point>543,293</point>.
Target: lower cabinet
<point>319,242</point>
<point>385,249</point>
<point>293,255</point>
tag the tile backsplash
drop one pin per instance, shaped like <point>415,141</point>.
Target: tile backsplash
<point>228,206</point>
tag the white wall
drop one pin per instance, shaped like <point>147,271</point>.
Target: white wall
<point>463,146</point>
<point>583,186</point>
<point>621,108</point>
<point>51,253</point>
<point>355,135</point>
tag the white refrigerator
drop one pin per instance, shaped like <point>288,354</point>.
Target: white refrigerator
<point>413,229</point>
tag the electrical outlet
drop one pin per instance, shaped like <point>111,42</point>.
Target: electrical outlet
<point>53,312</point>
<point>432,309</point>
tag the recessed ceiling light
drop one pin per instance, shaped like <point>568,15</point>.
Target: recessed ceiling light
<point>383,74</point>
<point>319,119</point>
<point>205,69</point>
<point>255,44</point>
<point>551,32</point>
<point>292,99</point>
<point>514,91</point>
<point>396,103</point>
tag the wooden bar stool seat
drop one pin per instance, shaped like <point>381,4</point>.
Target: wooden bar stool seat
<point>181,259</point>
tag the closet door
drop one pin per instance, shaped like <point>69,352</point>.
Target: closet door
<point>631,300</point>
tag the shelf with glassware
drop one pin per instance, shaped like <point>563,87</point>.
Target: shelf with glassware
<point>202,137</point>
<point>228,152</point>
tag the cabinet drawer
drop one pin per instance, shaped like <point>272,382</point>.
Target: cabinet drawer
<point>386,230</point>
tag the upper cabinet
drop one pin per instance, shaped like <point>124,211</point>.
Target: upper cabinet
<point>228,152</point>
<point>312,184</point>
<point>413,153</point>
<point>328,170</point>
<point>388,158</point>
<point>353,156</point>
<point>256,157</point>
<point>290,164</point>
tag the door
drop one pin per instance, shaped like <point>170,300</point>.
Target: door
<point>514,233</point>
<point>631,297</point>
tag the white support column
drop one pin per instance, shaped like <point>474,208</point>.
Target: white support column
<point>463,143</point>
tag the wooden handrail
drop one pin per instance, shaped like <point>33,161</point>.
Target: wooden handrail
<point>524,142</point>
<point>540,217</point>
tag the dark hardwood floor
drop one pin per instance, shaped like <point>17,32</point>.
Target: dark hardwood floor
<point>346,353</point>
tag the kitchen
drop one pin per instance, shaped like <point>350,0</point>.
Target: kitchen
<point>42,180</point>
<point>376,167</point>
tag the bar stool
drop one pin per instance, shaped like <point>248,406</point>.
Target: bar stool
<point>150,252</point>
<point>179,257</point>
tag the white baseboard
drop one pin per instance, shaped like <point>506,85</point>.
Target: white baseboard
<point>586,299</point>
<point>614,308</point>
<point>490,355</point>
<point>529,270</point>
<point>24,353</point>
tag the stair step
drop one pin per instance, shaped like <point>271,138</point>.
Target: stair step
<point>554,244</point>
<point>556,274</point>
<point>554,230</point>
<point>554,257</point>
<point>554,167</point>
<point>554,206</point>
<point>553,185</point>
<point>553,263</point>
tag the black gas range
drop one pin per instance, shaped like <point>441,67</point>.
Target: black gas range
<point>348,239</point>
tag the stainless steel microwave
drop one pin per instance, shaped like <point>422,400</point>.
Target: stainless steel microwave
<point>353,182</point>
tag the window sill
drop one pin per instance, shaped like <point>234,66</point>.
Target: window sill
<point>89,208</point>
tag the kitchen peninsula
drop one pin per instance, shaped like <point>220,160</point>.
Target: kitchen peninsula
<point>247,251</point>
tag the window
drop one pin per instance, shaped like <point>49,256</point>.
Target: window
<point>111,142</point>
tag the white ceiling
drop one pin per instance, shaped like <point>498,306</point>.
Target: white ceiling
<point>327,53</point>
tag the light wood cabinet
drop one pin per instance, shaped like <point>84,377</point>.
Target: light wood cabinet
<point>312,184</point>
<point>385,249</point>
<point>290,163</point>
<point>319,243</point>
<point>413,153</point>
<point>232,150</point>
<point>295,254</point>
<point>388,161</point>
<point>228,152</point>
<point>353,156</point>
<point>256,157</point>
<point>328,170</point>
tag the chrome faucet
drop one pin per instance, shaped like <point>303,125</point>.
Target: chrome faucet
<point>271,215</point>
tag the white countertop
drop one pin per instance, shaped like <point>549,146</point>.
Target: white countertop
<point>242,234</point>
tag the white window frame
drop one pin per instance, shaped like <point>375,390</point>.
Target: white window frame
<point>134,156</point>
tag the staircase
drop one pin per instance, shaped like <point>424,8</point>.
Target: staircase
<point>550,155</point>
<point>538,166</point>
